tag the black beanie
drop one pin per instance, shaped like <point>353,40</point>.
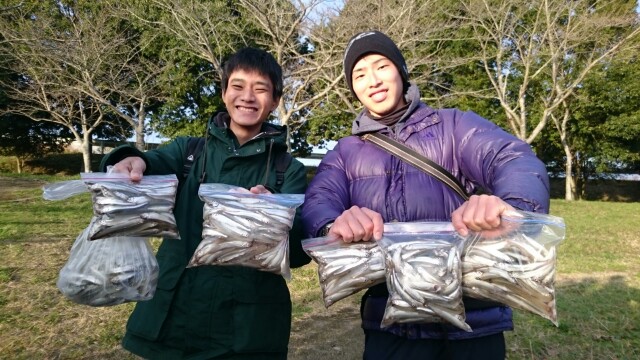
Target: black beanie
<point>373,42</point>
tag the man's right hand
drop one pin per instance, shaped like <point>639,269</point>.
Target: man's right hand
<point>134,166</point>
<point>358,224</point>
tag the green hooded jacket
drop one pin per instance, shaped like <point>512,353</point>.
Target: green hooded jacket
<point>211,312</point>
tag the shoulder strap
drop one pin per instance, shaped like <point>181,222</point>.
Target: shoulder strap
<point>283,160</point>
<point>194,148</point>
<point>414,158</point>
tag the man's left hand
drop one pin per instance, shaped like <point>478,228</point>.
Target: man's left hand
<point>479,213</point>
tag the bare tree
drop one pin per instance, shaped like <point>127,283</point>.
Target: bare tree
<point>42,54</point>
<point>126,82</point>
<point>205,29</point>
<point>84,56</point>
<point>549,44</point>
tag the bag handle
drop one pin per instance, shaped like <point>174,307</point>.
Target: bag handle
<point>414,158</point>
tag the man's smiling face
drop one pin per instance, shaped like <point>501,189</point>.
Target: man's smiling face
<point>249,100</point>
<point>378,84</point>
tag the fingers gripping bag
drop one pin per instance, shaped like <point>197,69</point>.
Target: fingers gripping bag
<point>246,229</point>
<point>345,268</point>
<point>423,274</point>
<point>122,207</point>
<point>109,272</point>
<point>516,264</point>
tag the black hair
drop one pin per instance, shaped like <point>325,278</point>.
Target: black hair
<point>252,59</point>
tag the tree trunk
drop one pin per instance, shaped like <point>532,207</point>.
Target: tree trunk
<point>569,184</point>
<point>580,179</point>
<point>140,143</point>
<point>86,151</point>
<point>19,163</point>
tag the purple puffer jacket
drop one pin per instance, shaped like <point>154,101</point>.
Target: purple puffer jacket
<point>474,150</point>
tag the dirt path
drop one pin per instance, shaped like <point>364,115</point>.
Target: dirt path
<point>332,333</point>
<point>9,185</point>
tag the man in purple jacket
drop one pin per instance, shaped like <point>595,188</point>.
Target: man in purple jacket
<point>358,187</point>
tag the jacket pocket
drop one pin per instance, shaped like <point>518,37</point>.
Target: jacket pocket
<point>261,313</point>
<point>149,316</point>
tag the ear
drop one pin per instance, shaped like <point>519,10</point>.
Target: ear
<point>276,102</point>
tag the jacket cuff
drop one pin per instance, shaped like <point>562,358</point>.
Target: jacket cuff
<point>120,153</point>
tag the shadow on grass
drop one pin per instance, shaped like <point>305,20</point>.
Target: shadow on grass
<point>27,222</point>
<point>39,240</point>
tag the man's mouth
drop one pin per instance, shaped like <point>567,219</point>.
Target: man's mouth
<point>379,95</point>
<point>246,109</point>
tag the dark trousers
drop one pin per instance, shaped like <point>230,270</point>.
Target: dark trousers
<point>380,345</point>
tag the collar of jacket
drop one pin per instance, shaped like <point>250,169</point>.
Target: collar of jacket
<point>219,127</point>
<point>364,124</point>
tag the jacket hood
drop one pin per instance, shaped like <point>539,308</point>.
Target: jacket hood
<point>364,124</point>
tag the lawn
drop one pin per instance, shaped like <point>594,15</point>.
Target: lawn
<point>598,289</point>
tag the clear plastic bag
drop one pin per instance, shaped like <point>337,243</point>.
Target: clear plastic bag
<point>515,265</point>
<point>246,229</point>
<point>345,268</point>
<point>109,272</point>
<point>423,274</point>
<point>122,207</point>
<point>63,189</point>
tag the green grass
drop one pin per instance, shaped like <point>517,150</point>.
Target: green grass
<point>598,289</point>
<point>601,236</point>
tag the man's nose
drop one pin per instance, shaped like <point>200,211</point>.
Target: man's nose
<point>248,95</point>
<point>373,79</point>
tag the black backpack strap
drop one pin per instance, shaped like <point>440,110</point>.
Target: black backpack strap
<point>194,148</point>
<point>282,163</point>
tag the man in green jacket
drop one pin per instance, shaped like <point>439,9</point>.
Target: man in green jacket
<point>219,312</point>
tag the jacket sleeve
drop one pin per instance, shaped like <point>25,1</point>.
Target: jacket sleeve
<point>295,182</point>
<point>328,193</point>
<point>501,163</point>
<point>167,159</point>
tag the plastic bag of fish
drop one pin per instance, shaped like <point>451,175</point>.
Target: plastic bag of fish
<point>423,274</point>
<point>246,229</point>
<point>126,208</point>
<point>122,207</point>
<point>109,271</point>
<point>345,268</point>
<point>516,264</point>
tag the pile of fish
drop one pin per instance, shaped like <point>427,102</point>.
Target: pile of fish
<point>424,281</point>
<point>124,208</point>
<point>345,268</point>
<point>514,270</point>
<point>109,272</point>
<point>241,228</point>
